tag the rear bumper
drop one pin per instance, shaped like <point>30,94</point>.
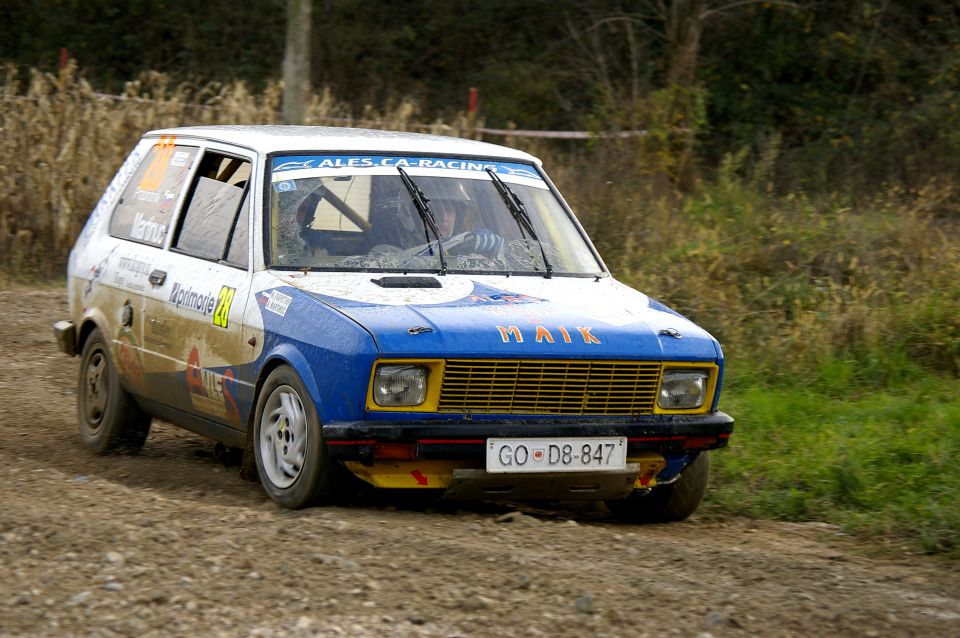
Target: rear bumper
<point>462,440</point>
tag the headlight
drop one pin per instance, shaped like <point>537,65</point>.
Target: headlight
<point>682,389</point>
<point>395,385</point>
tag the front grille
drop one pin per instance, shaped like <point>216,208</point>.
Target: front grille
<point>506,386</point>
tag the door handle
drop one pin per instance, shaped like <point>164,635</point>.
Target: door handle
<point>157,277</point>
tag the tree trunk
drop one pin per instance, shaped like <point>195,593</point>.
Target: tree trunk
<point>296,62</point>
<point>684,26</point>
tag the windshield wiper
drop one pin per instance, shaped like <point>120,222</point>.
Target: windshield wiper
<point>422,205</point>
<point>519,212</point>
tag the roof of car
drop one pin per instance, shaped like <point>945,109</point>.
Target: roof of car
<point>282,138</point>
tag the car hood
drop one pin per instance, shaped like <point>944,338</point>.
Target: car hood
<point>498,316</point>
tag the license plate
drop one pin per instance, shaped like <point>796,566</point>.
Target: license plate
<point>557,455</point>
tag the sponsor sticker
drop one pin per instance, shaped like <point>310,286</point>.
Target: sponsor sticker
<point>513,334</point>
<point>506,298</point>
<point>222,314</point>
<point>188,298</point>
<point>134,266</point>
<point>96,272</point>
<point>277,302</point>
<point>180,158</point>
<point>130,273</point>
<point>148,230</point>
<point>210,391</point>
<point>157,169</point>
<point>281,164</point>
<point>167,201</point>
<point>157,332</point>
<point>147,196</point>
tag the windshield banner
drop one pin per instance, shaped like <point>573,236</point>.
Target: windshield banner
<point>302,162</point>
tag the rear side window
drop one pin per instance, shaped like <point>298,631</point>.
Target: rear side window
<point>215,207</point>
<point>145,210</point>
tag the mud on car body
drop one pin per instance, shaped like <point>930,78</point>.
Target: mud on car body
<point>417,311</point>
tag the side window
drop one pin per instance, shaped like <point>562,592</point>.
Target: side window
<point>146,208</point>
<point>214,208</point>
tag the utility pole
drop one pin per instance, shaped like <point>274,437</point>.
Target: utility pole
<point>296,62</point>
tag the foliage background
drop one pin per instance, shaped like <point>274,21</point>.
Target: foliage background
<point>795,190</point>
<point>858,92</point>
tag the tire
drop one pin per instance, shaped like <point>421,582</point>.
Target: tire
<point>293,462</point>
<point>109,420</point>
<point>667,503</point>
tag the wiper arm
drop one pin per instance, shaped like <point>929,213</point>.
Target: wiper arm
<point>519,212</point>
<point>422,205</point>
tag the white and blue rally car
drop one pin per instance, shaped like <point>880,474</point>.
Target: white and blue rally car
<point>418,311</point>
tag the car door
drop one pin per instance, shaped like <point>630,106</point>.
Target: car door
<point>193,313</point>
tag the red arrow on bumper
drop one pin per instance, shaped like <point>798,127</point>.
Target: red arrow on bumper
<point>420,478</point>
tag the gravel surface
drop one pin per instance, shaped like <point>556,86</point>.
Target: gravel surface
<point>173,542</point>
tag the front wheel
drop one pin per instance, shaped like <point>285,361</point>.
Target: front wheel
<point>109,420</point>
<point>666,503</point>
<point>294,465</point>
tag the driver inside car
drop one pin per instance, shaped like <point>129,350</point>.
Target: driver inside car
<point>447,214</point>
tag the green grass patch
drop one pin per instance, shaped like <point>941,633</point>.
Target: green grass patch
<point>884,461</point>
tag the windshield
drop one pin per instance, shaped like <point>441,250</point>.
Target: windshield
<point>356,213</point>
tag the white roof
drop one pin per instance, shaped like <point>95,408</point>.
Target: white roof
<point>279,138</point>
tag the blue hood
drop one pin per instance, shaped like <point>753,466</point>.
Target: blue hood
<point>483,317</point>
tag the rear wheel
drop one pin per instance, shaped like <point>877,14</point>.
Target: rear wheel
<point>109,419</point>
<point>673,502</point>
<point>293,462</point>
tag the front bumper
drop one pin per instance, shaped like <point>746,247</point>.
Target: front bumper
<point>476,484</point>
<point>66,335</point>
<point>466,440</point>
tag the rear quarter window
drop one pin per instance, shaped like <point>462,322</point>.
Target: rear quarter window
<point>146,207</point>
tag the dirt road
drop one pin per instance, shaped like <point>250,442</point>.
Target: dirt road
<point>173,543</point>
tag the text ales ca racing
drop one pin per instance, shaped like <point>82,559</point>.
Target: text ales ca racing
<point>417,311</point>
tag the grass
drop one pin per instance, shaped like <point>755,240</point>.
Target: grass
<point>875,461</point>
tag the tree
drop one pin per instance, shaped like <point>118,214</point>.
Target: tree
<point>296,62</point>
